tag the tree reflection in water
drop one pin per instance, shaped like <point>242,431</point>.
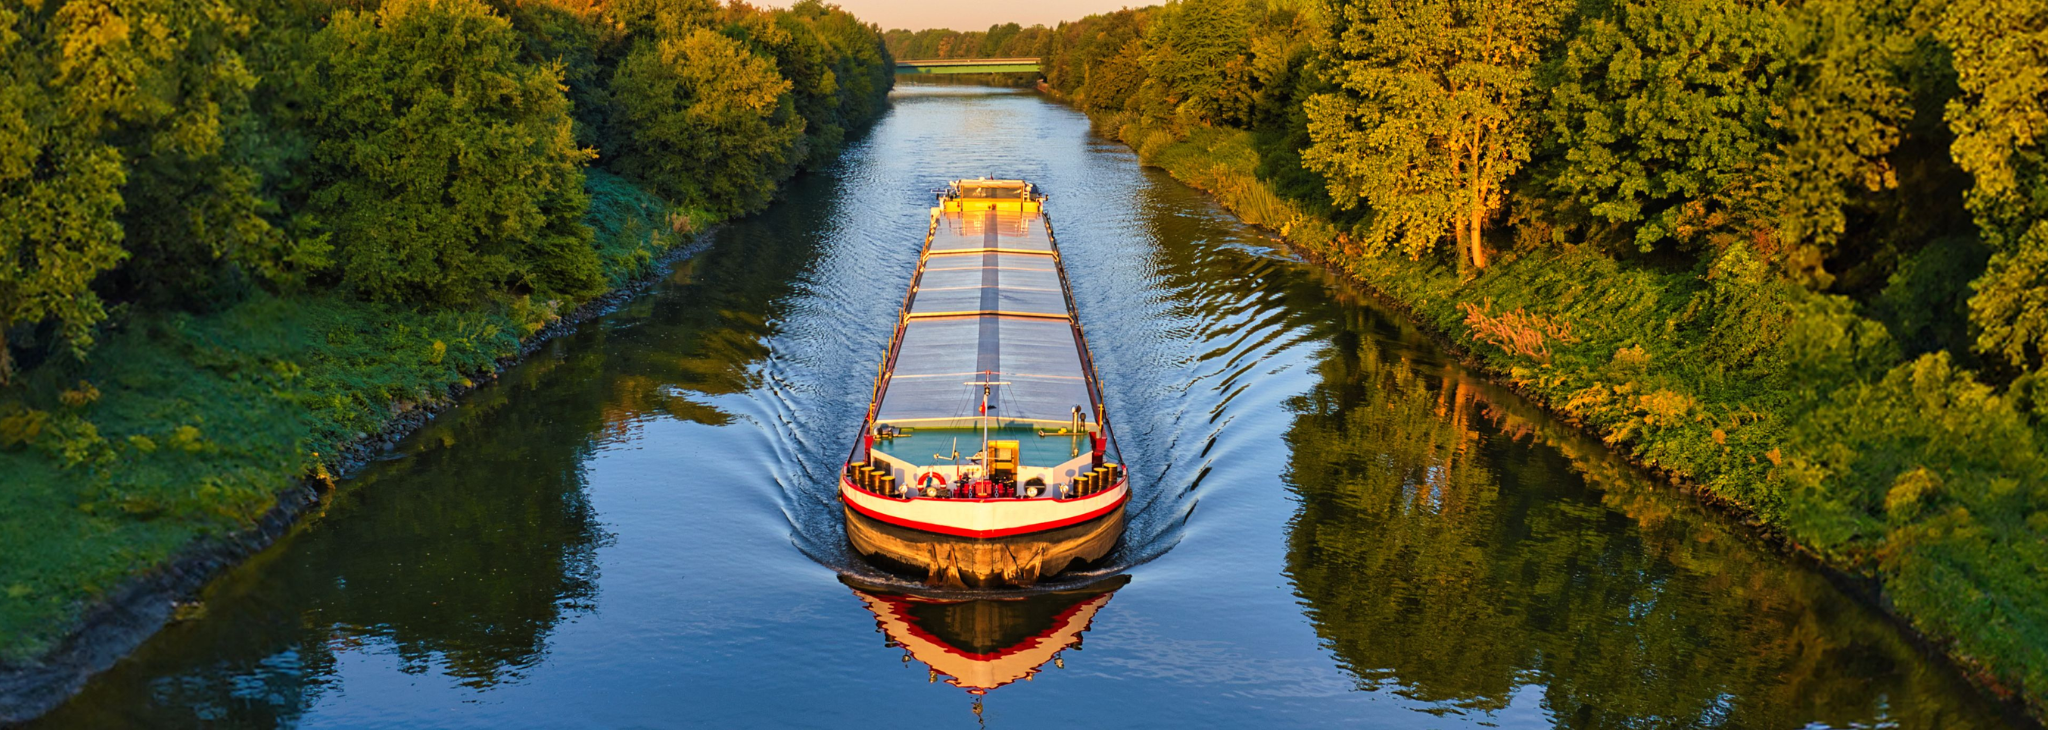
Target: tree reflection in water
<point>461,558</point>
<point>465,577</point>
<point>1457,546</point>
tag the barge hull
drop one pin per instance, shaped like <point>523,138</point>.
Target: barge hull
<point>1017,560</point>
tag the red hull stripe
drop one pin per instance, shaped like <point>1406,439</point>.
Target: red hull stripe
<point>985,534</point>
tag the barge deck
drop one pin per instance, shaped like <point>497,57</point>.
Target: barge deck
<point>986,456</point>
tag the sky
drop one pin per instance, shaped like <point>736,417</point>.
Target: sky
<point>970,14</point>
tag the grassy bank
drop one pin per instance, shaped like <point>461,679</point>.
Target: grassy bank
<point>1813,413</point>
<point>184,427</point>
<point>242,242</point>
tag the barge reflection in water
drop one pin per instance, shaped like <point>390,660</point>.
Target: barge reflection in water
<point>981,643</point>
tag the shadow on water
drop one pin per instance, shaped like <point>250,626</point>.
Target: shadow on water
<point>1332,525</point>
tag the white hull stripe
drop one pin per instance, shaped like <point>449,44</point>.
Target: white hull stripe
<point>984,518</point>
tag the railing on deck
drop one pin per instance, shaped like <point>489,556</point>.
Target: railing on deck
<point>895,342</point>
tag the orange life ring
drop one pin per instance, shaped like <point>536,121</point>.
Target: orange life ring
<point>930,482</point>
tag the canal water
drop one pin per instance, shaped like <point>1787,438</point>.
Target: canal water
<point>1335,524</point>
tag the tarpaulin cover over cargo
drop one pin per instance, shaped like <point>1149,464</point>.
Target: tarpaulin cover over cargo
<point>987,308</point>
<point>986,459</point>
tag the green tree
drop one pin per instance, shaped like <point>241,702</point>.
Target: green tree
<point>862,65</point>
<point>807,62</point>
<point>1113,83</point>
<point>1098,60</point>
<point>580,36</point>
<point>194,214</point>
<point>707,121</point>
<point>657,19</point>
<point>1686,119</point>
<point>2000,121</point>
<point>1200,49</point>
<point>1431,115</point>
<point>70,73</point>
<point>1006,40</point>
<point>448,166</point>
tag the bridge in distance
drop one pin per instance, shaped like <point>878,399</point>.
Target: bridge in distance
<point>968,66</point>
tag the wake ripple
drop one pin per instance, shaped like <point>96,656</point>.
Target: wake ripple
<point>1166,286</point>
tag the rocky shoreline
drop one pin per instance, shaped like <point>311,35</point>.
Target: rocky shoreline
<point>132,613</point>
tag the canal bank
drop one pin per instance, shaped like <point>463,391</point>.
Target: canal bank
<point>642,238</point>
<point>1728,460</point>
<point>1335,523</point>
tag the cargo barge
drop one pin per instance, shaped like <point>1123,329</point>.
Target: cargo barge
<point>986,458</point>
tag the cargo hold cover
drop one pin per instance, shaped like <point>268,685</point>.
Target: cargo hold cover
<point>987,307</point>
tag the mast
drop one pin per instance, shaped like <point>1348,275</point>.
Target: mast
<point>986,458</point>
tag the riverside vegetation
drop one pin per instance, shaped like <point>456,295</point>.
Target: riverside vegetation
<point>237,236</point>
<point>1795,253</point>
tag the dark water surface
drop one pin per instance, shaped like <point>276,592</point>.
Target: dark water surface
<point>1335,524</point>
